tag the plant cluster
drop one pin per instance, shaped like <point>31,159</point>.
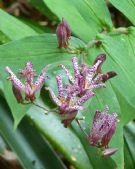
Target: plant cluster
<point>64,95</point>
<point>72,95</point>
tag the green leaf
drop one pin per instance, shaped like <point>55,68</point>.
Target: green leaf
<point>108,97</point>
<point>3,145</point>
<point>35,26</point>
<point>121,58</point>
<point>100,15</point>
<point>40,5</point>
<point>127,7</point>
<point>121,61</point>
<point>94,154</point>
<point>62,138</point>
<point>129,145</point>
<point>3,38</point>
<point>32,151</point>
<point>85,18</point>
<point>129,135</point>
<point>128,157</point>
<point>13,28</point>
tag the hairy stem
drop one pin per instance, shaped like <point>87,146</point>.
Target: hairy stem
<point>41,107</point>
<point>77,120</point>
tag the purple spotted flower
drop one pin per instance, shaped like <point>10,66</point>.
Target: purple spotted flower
<point>103,128</point>
<point>63,34</point>
<point>29,88</point>
<point>68,103</point>
<point>86,77</point>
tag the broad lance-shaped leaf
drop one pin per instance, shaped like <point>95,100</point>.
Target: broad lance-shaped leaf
<point>35,26</point>
<point>129,144</point>
<point>127,7</point>
<point>63,139</point>
<point>120,60</point>
<point>82,14</point>
<point>32,151</point>
<point>42,47</point>
<point>3,38</point>
<point>108,97</point>
<point>104,97</point>
<point>129,163</point>
<point>94,153</point>
<point>3,145</point>
<point>41,6</point>
<point>129,135</point>
<point>13,28</point>
<point>100,15</point>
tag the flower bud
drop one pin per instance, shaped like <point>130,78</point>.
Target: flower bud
<point>63,34</point>
<point>100,58</point>
<point>109,151</point>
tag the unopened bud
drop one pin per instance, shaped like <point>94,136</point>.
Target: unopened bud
<point>109,151</point>
<point>63,34</point>
<point>101,58</point>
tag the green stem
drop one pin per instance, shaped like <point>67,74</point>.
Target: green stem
<point>41,107</point>
<point>120,30</point>
<point>44,108</point>
<point>93,43</point>
<point>77,120</point>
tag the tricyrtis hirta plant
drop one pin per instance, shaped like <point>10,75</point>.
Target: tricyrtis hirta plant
<point>76,101</point>
<point>73,94</point>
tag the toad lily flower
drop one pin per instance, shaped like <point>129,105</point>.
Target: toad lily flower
<point>67,103</point>
<point>87,78</point>
<point>103,128</point>
<point>28,88</point>
<point>63,34</point>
